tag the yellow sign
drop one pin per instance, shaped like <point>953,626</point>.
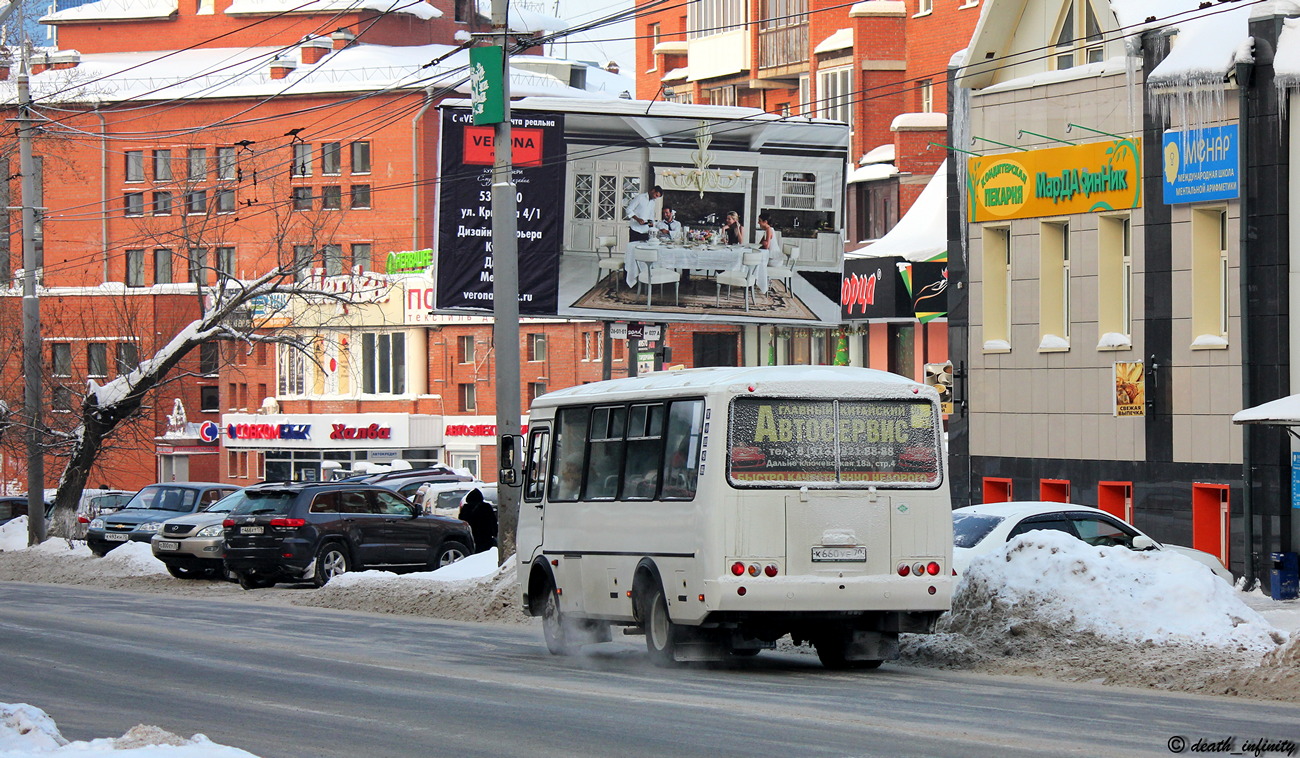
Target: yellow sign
<point>1130,389</point>
<point>1099,176</point>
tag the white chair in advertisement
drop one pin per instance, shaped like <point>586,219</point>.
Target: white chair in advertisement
<point>746,276</point>
<point>607,262</point>
<point>650,274</point>
<point>784,270</point>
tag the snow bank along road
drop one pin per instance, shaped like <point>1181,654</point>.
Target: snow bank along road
<point>1047,606</point>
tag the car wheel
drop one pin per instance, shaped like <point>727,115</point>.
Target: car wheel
<point>253,582</point>
<point>181,572</point>
<point>228,575</point>
<point>660,632</point>
<point>100,552</point>
<point>450,552</point>
<point>331,561</point>
<point>554,626</point>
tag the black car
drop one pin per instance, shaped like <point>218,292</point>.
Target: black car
<point>313,531</point>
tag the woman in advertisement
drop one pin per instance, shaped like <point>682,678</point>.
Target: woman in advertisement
<point>732,230</point>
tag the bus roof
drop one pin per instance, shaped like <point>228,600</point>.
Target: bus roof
<point>790,381</point>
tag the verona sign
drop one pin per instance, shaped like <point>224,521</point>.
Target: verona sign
<point>1099,176</point>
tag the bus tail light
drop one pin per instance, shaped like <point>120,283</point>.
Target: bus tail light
<point>932,589</point>
<point>932,568</point>
<point>904,569</point>
<point>741,591</point>
<point>770,569</point>
<point>738,568</point>
<point>918,568</point>
<point>754,569</point>
<point>701,597</point>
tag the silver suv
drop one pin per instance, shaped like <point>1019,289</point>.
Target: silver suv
<point>191,546</point>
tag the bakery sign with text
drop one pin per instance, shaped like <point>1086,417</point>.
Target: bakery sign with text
<point>1099,176</point>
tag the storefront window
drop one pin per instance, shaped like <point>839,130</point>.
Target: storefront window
<point>383,363</point>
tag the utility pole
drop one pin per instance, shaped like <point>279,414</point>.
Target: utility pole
<point>505,298</point>
<point>32,374</point>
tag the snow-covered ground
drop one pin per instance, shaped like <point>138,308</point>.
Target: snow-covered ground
<point>28,732</point>
<point>1048,605</point>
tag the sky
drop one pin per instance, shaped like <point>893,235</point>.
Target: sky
<point>601,45</point>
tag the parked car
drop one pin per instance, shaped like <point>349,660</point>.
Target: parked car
<point>11,507</point>
<point>446,498</point>
<point>984,528</point>
<point>191,546</point>
<point>312,532</point>
<point>142,516</point>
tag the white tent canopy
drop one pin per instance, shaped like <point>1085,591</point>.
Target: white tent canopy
<point>1284,411</point>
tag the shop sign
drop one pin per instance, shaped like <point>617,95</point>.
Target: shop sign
<point>209,431</point>
<point>269,431</point>
<point>471,430</point>
<point>1098,176</point>
<point>873,288</point>
<point>371,432</point>
<point>408,262</point>
<point>1130,389</point>
<point>1201,165</point>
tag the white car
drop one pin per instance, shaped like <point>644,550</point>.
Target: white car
<point>985,528</point>
<point>446,498</point>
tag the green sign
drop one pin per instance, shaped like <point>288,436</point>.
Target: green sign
<point>408,262</point>
<point>486,67</point>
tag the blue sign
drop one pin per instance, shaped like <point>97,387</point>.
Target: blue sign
<point>1295,480</point>
<point>1202,165</point>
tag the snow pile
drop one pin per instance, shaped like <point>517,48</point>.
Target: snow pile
<point>28,731</point>
<point>474,589</point>
<point>132,559</point>
<point>1053,581</point>
<point>13,534</point>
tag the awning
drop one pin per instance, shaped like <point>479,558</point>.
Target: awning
<point>1284,411</point>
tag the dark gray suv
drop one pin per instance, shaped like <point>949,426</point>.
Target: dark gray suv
<point>311,532</point>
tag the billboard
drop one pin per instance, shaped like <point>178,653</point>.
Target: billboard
<point>893,287</point>
<point>1098,176</point>
<point>1201,165</point>
<point>465,210</point>
<point>581,256</point>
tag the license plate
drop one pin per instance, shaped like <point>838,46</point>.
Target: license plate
<point>111,537</point>
<point>838,554</point>
<point>164,546</point>
<point>251,529</point>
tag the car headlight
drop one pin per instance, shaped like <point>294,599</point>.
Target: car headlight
<point>151,526</point>
<point>210,531</point>
<point>97,523</point>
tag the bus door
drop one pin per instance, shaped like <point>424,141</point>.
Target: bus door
<point>531,511</point>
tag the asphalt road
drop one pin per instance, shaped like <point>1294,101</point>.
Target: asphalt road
<point>297,682</point>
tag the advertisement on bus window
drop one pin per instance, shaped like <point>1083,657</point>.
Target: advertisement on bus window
<point>785,441</point>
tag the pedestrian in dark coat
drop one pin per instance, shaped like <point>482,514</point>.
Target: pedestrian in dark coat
<point>482,520</point>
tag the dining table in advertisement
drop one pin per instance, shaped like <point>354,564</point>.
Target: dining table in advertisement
<point>694,257</point>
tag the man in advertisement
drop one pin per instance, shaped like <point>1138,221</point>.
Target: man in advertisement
<point>640,213</point>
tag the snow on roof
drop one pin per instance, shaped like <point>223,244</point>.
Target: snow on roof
<point>524,19</point>
<point>244,72</point>
<point>878,8</point>
<point>417,8</point>
<point>878,154</point>
<point>1284,411</point>
<point>839,40</point>
<point>872,172</point>
<point>1286,61</point>
<point>114,10</point>
<point>1207,41</point>
<point>677,74</point>
<point>919,121</point>
<point>922,232</point>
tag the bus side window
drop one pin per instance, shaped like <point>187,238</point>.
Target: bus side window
<point>605,461</point>
<point>539,443</point>
<point>645,450</point>
<point>682,456</point>
<point>567,457</point>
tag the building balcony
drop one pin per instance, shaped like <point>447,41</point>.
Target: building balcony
<point>783,51</point>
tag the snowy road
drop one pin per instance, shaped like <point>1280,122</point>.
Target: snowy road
<point>297,682</point>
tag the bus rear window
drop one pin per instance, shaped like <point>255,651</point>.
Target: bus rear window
<point>788,442</point>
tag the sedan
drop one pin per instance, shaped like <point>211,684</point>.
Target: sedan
<point>985,528</point>
<point>143,515</point>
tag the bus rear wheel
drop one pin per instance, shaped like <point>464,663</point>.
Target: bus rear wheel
<point>554,626</point>
<point>660,632</point>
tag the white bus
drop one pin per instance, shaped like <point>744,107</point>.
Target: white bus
<point>716,510</point>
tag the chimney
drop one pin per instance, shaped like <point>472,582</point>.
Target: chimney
<point>5,64</point>
<point>314,49</point>
<point>281,67</point>
<point>343,38</point>
<point>611,67</point>
<point>64,59</point>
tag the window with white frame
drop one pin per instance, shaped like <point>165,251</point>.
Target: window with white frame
<point>1078,37</point>
<point>996,269</point>
<point>721,95</point>
<point>1114,283</point>
<point>536,347</point>
<point>835,94</point>
<point>706,17</point>
<point>292,370</point>
<point>383,363</point>
<point>927,96</point>
<point>1054,286</point>
<point>226,163</point>
<point>798,190</point>
<point>924,7</point>
<point>1209,278</point>
<point>301,160</point>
